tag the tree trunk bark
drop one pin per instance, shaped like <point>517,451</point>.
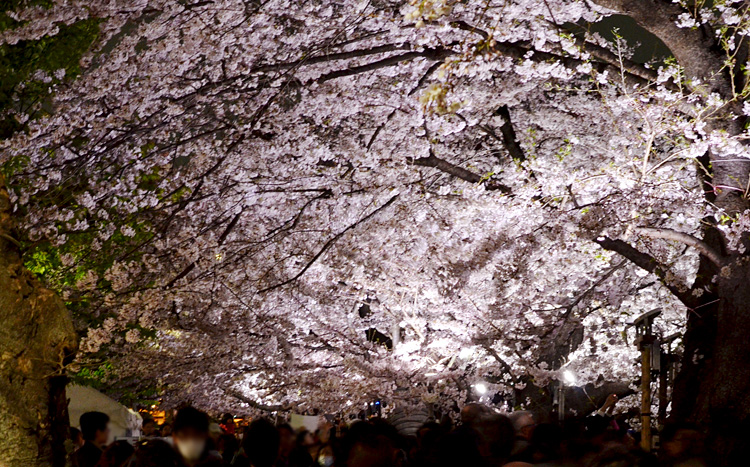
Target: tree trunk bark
<point>712,388</point>
<point>37,339</point>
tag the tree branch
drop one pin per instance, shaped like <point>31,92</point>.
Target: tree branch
<point>256,405</point>
<point>379,49</point>
<point>509,135</point>
<point>501,361</point>
<point>327,245</point>
<point>694,50</point>
<point>420,83</point>
<point>647,263</point>
<point>689,240</point>
<point>432,54</point>
<point>459,172</point>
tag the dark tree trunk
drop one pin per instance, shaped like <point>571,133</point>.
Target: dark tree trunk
<point>713,386</point>
<point>37,339</point>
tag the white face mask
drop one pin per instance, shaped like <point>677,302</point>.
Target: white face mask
<point>191,449</point>
<point>325,461</point>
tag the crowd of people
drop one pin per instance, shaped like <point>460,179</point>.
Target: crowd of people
<point>482,438</point>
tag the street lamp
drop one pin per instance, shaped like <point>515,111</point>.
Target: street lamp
<point>569,379</point>
<point>480,388</point>
<point>646,341</point>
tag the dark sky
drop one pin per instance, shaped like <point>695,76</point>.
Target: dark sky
<point>649,47</point>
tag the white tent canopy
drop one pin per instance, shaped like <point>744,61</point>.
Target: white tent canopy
<point>82,399</point>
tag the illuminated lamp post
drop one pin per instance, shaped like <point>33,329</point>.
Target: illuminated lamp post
<point>648,345</point>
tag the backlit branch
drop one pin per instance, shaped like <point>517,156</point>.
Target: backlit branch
<point>327,245</point>
<point>647,263</point>
<point>459,172</point>
<point>669,234</point>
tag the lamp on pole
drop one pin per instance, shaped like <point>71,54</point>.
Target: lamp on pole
<point>646,341</point>
<point>666,375</point>
<point>568,378</point>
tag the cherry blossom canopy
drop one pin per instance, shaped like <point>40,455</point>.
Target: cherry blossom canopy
<point>274,204</point>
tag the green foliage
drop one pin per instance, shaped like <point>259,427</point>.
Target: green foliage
<point>93,377</point>
<point>19,62</point>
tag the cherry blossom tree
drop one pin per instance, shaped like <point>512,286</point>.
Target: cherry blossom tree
<point>292,205</point>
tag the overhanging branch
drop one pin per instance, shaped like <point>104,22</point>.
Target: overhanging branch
<point>668,234</point>
<point>327,245</point>
<point>459,172</point>
<point>257,405</point>
<point>647,263</point>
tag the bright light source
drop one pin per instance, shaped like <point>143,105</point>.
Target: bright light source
<point>569,377</point>
<point>480,388</point>
<point>466,353</point>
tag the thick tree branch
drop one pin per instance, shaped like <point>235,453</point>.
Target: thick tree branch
<point>432,54</point>
<point>647,263</point>
<point>459,172</point>
<point>689,240</point>
<point>257,405</point>
<point>505,366</point>
<point>509,135</point>
<point>518,50</point>
<point>695,51</point>
<point>380,49</point>
<point>571,306</point>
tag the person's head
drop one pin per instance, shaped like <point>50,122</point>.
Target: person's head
<point>620,456</point>
<point>286,440</point>
<point>214,431</point>
<point>681,440</point>
<point>155,453</point>
<point>323,433</point>
<point>148,427</point>
<point>95,428</point>
<point>372,444</point>
<point>496,436</point>
<point>456,448</point>
<point>261,443</point>
<point>117,454</point>
<point>305,439</point>
<point>76,437</point>
<point>523,423</point>
<point>326,456</point>
<point>227,421</point>
<point>547,441</point>
<point>471,413</point>
<point>190,433</point>
<point>166,430</point>
<point>227,445</point>
<point>428,434</point>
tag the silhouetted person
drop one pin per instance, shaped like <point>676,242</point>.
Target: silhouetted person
<point>148,428</point>
<point>680,443</point>
<point>155,453</point>
<point>190,435</point>
<point>286,444</point>
<point>117,454</point>
<point>95,431</point>
<point>260,444</point>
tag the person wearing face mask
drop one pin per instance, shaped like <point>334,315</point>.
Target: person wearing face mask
<point>190,436</point>
<point>325,456</point>
<point>96,434</point>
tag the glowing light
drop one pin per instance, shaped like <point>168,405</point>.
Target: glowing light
<point>466,353</point>
<point>480,388</point>
<point>569,377</point>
